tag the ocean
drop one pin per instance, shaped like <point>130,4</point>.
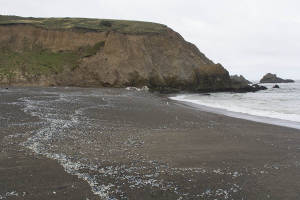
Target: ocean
<point>274,106</point>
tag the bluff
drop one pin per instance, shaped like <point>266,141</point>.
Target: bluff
<point>103,53</point>
<point>272,78</point>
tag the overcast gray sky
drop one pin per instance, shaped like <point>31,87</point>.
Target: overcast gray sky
<point>249,37</point>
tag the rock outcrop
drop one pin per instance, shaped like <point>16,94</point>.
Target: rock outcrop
<point>240,84</point>
<point>249,88</point>
<point>272,78</point>
<point>239,81</point>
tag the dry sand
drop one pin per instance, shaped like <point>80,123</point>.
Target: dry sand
<point>75,143</point>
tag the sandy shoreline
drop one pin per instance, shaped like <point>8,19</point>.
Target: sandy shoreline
<point>139,146</point>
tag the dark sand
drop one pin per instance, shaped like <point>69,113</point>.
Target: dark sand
<point>136,145</point>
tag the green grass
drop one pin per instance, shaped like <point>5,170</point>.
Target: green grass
<point>36,63</point>
<point>85,24</point>
<point>88,51</point>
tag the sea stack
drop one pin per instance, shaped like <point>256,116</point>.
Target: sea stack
<point>272,78</point>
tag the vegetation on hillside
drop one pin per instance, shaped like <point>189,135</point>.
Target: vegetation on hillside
<point>36,61</point>
<point>86,24</point>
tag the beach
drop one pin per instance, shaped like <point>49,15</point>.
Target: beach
<point>87,143</point>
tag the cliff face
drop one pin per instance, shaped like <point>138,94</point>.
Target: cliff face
<point>109,53</point>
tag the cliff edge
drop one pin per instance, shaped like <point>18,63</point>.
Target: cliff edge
<point>103,53</point>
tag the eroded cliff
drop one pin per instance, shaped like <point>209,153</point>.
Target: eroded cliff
<point>101,53</point>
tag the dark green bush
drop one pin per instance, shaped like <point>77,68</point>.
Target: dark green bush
<point>106,23</point>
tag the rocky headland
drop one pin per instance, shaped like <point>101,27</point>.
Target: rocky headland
<point>104,53</point>
<point>272,78</point>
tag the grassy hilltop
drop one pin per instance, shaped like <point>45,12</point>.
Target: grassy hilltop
<point>123,26</point>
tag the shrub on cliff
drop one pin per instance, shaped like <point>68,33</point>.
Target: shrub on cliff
<point>106,23</point>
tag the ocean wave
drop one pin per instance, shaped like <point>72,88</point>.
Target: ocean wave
<point>282,104</point>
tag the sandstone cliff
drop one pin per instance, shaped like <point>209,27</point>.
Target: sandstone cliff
<point>103,53</point>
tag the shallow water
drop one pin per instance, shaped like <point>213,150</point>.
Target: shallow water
<point>275,106</point>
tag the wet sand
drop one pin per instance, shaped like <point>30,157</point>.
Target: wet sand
<point>75,143</point>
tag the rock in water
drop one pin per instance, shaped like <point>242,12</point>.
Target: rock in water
<point>259,87</point>
<point>250,88</point>
<point>241,84</point>
<point>272,78</point>
<point>276,86</point>
<point>103,53</point>
<point>239,81</point>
